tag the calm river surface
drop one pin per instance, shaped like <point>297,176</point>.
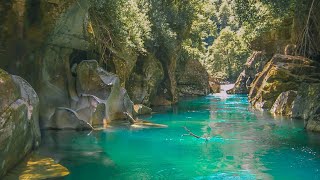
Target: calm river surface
<point>244,144</point>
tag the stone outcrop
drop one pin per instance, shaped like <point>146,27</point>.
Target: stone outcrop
<point>282,73</point>
<point>254,64</point>
<point>145,80</point>
<point>301,104</point>
<point>65,47</point>
<point>289,86</point>
<point>192,79</point>
<point>97,97</point>
<point>19,124</point>
<point>64,118</point>
<point>215,87</point>
<point>284,103</point>
<point>55,36</point>
<point>141,109</point>
<point>306,105</point>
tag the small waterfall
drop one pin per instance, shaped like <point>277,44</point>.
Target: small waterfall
<point>223,90</point>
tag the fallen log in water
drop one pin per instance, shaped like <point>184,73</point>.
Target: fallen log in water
<point>194,135</point>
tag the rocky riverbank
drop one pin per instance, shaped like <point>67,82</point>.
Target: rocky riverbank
<point>287,85</point>
<point>51,44</point>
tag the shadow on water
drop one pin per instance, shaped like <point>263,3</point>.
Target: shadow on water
<point>244,144</point>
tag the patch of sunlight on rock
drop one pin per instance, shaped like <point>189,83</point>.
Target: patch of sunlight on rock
<point>37,167</point>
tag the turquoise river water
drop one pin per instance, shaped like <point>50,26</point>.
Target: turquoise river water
<point>243,144</point>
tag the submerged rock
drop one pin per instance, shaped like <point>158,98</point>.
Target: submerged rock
<point>19,125</point>
<point>313,125</point>
<point>37,167</point>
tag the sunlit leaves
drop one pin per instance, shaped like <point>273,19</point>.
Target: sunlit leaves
<point>227,55</point>
<point>125,22</point>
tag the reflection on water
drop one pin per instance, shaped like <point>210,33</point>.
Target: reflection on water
<point>244,144</point>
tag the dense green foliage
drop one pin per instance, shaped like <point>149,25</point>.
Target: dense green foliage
<point>216,32</point>
<point>239,22</point>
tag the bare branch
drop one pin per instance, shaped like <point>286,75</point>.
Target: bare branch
<point>194,135</point>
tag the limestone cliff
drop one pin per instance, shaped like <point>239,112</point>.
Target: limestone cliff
<point>46,41</point>
<point>281,74</point>
<point>254,65</point>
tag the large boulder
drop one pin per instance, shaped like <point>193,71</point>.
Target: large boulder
<point>281,74</point>
<point>141,109</point>
<point>90,109</point>
<point>301,104</point>
<point>254,64</point>
<point>92,79</point>
<point>8,91</point>
<point>65,118</point>
<point>284,103</point>
<point>105,87</point>
<point>192,79</point>
<point>19,125</point>
<point>307,101</point>
<point>306,105</point>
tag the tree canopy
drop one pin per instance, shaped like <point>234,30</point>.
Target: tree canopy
<point>216,32</point>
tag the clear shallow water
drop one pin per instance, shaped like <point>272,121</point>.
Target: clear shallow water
<point>244,144</point>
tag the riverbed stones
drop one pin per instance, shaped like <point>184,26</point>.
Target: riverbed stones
<point>19,126</point>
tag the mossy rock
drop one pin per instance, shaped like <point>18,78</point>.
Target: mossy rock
<point>283,73</point>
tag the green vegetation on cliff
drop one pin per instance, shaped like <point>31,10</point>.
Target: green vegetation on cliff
<point>219,33</point>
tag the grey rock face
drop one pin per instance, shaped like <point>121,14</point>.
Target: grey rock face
<point>282,73</point>
<point>306,106</point>
<point>192,79</point>
<point>284,103</point>
<point>145,80</point>
<point>19,125</point>
<point>65,118</point>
